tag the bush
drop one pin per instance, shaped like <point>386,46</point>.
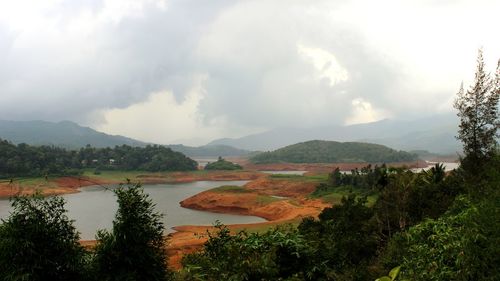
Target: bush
<point>278,254</point>
<point>462,245</point>
<point>39,242</point>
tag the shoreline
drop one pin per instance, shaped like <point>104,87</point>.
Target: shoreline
<point>289,204</point>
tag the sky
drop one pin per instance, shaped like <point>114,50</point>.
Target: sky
<point>190,71</point>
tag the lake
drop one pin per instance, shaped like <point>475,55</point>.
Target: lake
<point>448,166</point>
<point>94,207</point>
<point>300,173</point>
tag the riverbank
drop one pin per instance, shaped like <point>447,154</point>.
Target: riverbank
<point>277,200</point>
<point>321,167</point>
<point>72,184</point>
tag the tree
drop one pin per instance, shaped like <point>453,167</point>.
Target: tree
<point>39,242</point>
<point>343,238</point>
<point>135,249</point>
<point>277,254</point>
<point>478,112</point>
<point>460,245</point>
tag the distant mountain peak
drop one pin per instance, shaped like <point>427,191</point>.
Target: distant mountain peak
<point>433,133</point>
<point>67,134</point>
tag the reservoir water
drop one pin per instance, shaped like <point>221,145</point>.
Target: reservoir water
<point>94,207</point>
<point>300,173</point>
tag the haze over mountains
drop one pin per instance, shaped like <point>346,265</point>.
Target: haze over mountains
<point>73,136</point>
<point>65,134</point>
<point>435,134</point>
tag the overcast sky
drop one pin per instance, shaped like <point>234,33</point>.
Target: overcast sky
<point>170,71</point>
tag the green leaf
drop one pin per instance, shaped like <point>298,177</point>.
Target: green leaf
<point>394,273</point>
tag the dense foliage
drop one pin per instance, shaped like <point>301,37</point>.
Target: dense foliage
<point>26,160</point>
<point>333,152</point>
<point>135,248</point>
<point>152,158</point>
<point>275,254</point>
<point>343,239</point>
<point>39,242</point>
<point>222,164</point>
<point>461,245</point>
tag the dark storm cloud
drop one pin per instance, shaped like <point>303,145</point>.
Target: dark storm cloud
<point>116,65</point>
<point>264,63</point>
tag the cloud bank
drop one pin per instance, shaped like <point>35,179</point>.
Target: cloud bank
<point>185,71</point>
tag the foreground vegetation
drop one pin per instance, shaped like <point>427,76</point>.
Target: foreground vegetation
<point>333,152</point>
<point>39,242</point>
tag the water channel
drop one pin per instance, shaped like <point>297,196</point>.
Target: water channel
<point>94,207</point>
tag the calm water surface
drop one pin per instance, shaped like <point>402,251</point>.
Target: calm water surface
<point>94,208</point>
<point>284,172</point>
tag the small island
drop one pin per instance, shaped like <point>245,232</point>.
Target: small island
<point>222,164</point>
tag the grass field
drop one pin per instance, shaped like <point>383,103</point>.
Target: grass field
<point>230,188</point>
<point>313,178</point>
<point>334,195</point>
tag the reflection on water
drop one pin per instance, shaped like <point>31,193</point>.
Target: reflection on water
<point>284,172</point>
<point>94,208</point>
<point>448,166</point>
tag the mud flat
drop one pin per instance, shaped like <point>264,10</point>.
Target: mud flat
<point>278,201</point>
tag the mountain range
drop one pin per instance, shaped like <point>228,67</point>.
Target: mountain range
<point>65,134</point>
<point>435,134</point>
<point>70,135</point>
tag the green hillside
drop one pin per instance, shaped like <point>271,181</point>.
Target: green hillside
<point>64,134</point>
<point>317,151</point>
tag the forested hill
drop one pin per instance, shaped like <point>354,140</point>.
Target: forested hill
<point>317,151</point>
<point>63,134</point>
<point>25,160</point>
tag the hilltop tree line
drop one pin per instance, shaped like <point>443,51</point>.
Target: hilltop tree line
<point>333,152</point>
<point>25,160</point>
<point>222,164</point>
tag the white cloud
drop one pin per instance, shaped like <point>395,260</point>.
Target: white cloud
<point>363,112</point>
<point>160,118</point>
<point>163,119</point>
<point>325,63</point>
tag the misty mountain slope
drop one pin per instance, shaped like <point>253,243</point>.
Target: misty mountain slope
<point>436,134</point>
<point>208,150</point>
<point>318,151</point>
<point>64,134</point>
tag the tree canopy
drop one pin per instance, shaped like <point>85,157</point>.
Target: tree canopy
<point>26,160</point>
<point>135,248</point>
<point>39,242</point>
<point>222,164</point>
<point>317,151</point>
<point>478,112</point>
